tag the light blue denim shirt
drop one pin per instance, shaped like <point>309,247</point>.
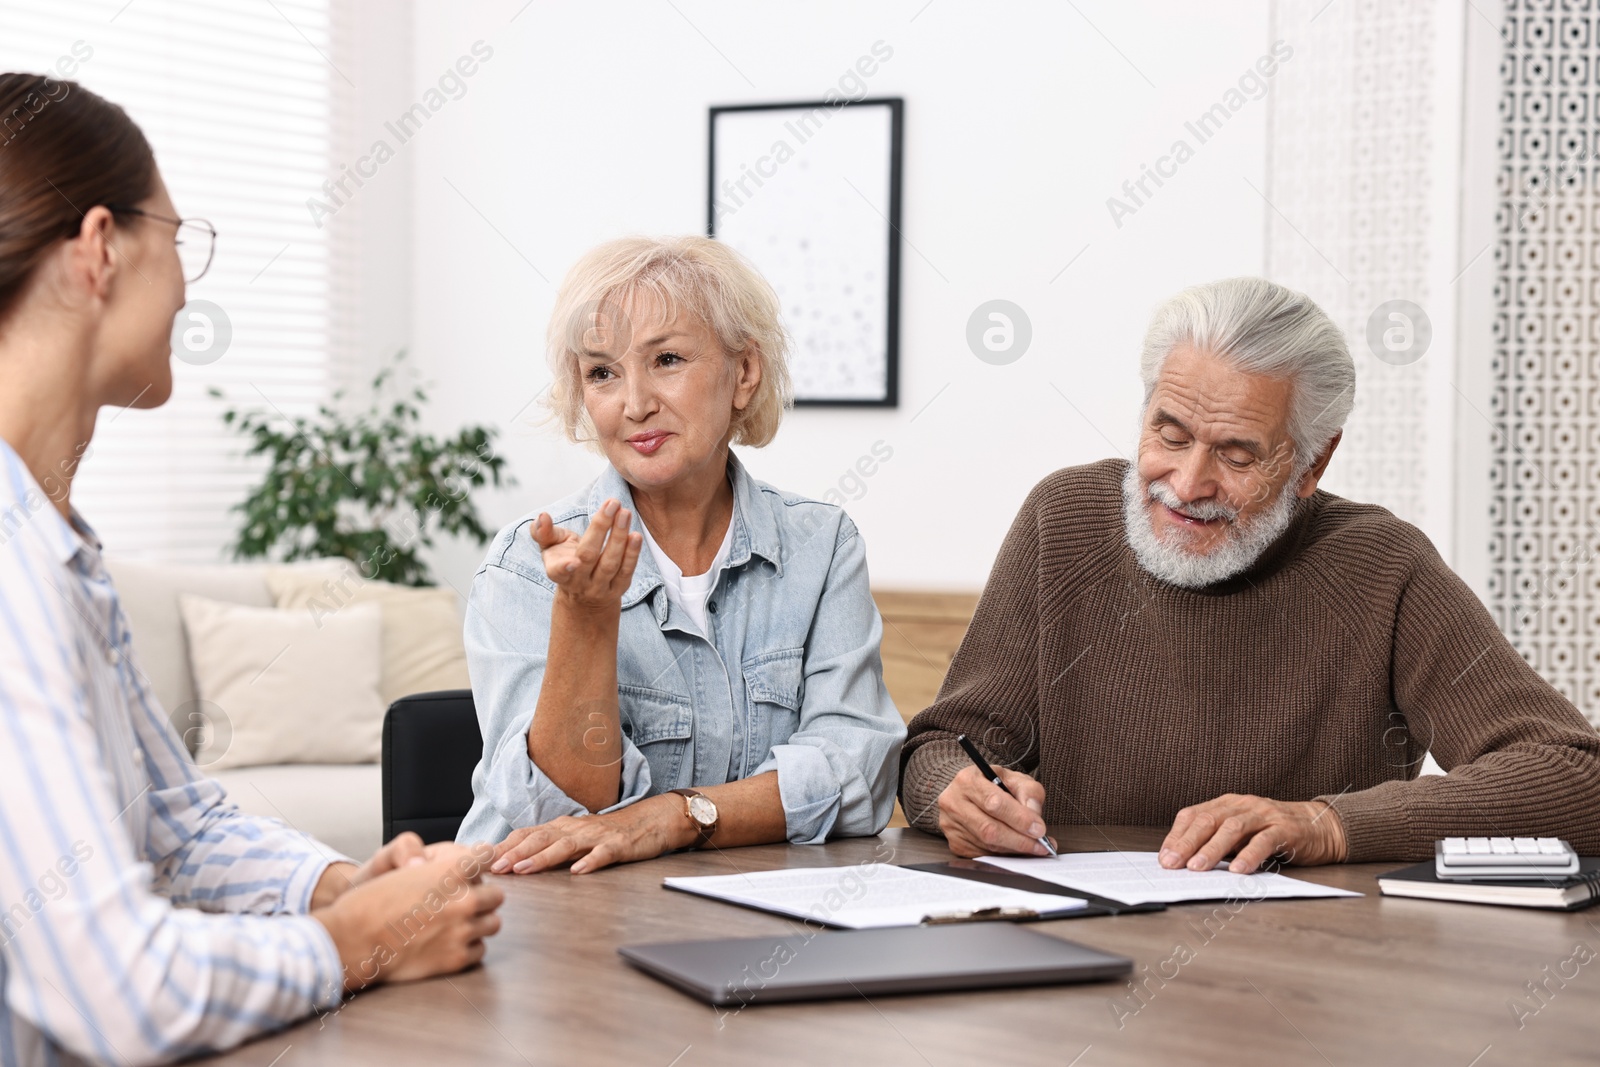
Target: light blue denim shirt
<point>789,679</point>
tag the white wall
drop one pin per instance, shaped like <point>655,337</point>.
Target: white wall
<point>589,121</point>
<point>376,56</point>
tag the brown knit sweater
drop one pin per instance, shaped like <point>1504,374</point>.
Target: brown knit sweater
<point>1327,671</point>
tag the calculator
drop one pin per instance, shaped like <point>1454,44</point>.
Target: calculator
<point>1503,858</point>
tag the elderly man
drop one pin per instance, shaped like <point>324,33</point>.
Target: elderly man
<point>1203,639</point>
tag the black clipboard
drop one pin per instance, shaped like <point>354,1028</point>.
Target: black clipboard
<point>973,870</point>
<point>1026,915</point>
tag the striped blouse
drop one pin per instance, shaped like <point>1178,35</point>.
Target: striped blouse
<point>143,918</point>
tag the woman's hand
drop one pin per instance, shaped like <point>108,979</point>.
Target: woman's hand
<point>428,916</point>
<point>404,850</point>
<point>591,570</point>
<point>639,831</point>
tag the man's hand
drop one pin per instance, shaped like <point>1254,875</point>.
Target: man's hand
<point>1255,829</point>
<point>977,818</point>
<point>425,918</point>
<point>639,831</point>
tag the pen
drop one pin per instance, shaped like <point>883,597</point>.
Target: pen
<point>988,772</point>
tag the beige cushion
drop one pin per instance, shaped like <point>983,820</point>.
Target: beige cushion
<point>339,804</point>
<point>422,646</point>
<point>282,687</point>
<point>149,595</point>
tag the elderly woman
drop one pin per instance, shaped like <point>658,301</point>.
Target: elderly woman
<point>678,655</point>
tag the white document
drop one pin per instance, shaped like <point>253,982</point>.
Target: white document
<point>868,895</point>
<point>1137,878</point>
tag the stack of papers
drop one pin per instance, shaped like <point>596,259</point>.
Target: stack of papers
<point>869,895</point>
<point>1137,878</point>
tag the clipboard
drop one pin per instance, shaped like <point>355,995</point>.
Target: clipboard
<point>995,914</point>
<point>975,871</point>
<point>839,897</point>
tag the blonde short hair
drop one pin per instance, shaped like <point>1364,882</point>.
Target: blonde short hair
<point>697,275</point>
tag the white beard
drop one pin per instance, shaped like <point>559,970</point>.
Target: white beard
<point>1172,561</point>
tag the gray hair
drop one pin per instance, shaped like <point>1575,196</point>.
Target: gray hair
<point>1262,328</point>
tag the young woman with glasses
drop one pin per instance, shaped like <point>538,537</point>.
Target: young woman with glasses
<point>143,918</point>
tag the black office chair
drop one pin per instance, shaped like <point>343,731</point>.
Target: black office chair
<point>431,743</point>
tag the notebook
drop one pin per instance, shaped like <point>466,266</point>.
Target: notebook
<point>906,959</point>
<point>1563,894</point>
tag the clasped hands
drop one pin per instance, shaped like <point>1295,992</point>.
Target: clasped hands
<point>433,895</point>
<point>978,818</point>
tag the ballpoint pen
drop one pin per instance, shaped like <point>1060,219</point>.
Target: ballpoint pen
<point>988,772</point>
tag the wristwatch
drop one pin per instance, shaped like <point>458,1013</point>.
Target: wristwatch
<point>701,811</point>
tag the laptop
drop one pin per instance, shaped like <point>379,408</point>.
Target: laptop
<point>848,963</point>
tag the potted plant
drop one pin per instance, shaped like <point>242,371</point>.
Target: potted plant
<point>371,486</point>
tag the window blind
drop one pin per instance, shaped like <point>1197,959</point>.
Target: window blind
<point>244,106</point>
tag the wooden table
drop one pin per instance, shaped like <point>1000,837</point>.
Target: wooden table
<point>1344,981</point>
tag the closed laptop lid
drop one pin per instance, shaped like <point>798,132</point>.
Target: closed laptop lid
<point>909,959</point>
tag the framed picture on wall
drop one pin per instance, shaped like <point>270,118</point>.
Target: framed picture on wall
<point>810,192</point>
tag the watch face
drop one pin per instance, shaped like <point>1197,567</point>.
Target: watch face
<point>702,811</point>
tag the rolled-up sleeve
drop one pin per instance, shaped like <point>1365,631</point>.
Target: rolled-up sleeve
<point>507,635</point>
<point>837,772</point>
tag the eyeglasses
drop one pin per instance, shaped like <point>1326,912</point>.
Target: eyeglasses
<point>197,240</point>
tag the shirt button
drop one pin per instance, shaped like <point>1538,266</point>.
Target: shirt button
<point>113,657</point>
<point>711,606</point>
